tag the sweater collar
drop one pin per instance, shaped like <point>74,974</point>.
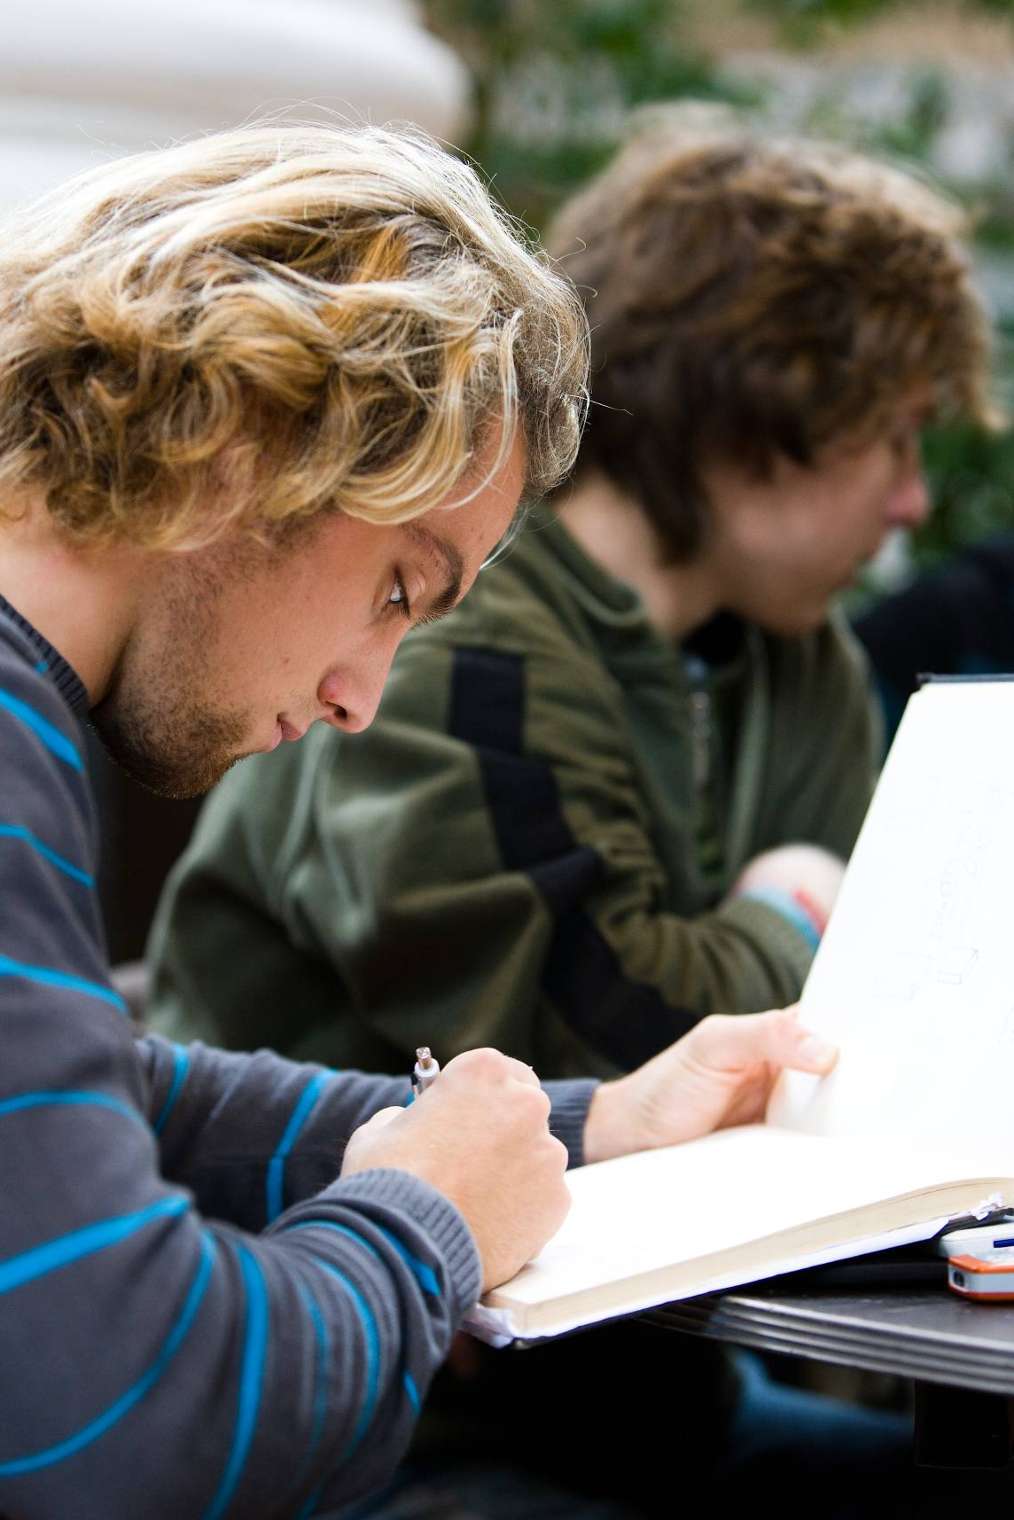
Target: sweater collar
<point>49,662</point>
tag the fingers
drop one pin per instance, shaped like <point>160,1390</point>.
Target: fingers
<point>487,1062</point>
<point>732,1041</point>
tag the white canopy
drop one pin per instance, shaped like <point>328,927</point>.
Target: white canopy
<point>82,81</point>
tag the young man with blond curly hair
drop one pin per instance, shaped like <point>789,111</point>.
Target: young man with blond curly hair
<point>255,392</point>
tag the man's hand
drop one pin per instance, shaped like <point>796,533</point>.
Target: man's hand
<point>719,1074</point>
<point>480,1135</point>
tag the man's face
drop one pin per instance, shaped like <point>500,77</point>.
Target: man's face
<point>785,547</point>
<point>239,646</point>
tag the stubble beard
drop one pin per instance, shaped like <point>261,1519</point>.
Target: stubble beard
<point>166,754</point>
<point>155,719</point>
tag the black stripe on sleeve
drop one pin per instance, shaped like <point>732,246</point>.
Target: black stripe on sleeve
<point>627,1021</point>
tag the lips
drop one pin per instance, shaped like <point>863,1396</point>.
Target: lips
<point>290,733</point>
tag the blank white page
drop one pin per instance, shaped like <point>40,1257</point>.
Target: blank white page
<point>915,976</point>
<point>650,1210</point>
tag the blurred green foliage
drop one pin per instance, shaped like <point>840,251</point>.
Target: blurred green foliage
<point>913,134</point>
<point>971,475</point>
<point>555,80</point>
<point>804,22</point>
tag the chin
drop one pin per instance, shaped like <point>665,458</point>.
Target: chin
<point>179,776</point>
<point>795,621</point>
<point>180,783</point>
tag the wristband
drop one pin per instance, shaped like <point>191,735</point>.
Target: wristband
<point>798,907</point>
<point>812,909</point>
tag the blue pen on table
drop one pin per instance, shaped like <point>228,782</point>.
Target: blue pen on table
<point>425,1071</point>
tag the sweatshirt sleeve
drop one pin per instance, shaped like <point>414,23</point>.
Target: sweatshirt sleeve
<point>160,1359</point>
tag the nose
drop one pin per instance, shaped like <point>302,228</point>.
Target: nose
<point>909,501</point>
<point>352,696</point>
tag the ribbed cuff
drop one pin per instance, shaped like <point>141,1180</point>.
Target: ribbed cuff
<point>781,938</point>
<point>794,907</point>
<point>571,1101</point>
<point>403,1193</point>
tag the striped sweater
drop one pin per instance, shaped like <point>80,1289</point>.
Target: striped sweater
<point>196,1318</point>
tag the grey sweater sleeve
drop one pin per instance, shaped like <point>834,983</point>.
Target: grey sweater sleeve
<point>251,1135</point>
<point>157,1359</point>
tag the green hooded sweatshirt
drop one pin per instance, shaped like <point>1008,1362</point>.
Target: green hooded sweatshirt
<point>532,845</point>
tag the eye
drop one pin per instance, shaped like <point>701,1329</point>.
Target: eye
<point>905,443</point>
<point>399,597</point>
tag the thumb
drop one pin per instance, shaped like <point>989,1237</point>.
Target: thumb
<point>729,1042</point>
<point>795,1046</point>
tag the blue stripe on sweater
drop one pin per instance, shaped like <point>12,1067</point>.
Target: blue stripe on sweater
<point>15,831</point>
<point>251,1380</point>
<point>323,1357</point>
<point>50,978</point>
<point>126,1401</point>
<point>72,1099</point>
<point>412,1391</point>
<point>310,1505</point>
<point>55,1254</point>
<point>319,1393</point>
<point>181,1064</point>
<point>50,735</point>
<point>421,1271</point>
<point>372,1340</point>
<point>276,1166</point>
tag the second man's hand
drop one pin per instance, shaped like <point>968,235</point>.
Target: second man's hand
<point>719,1074</point>
<point>479,1134</point>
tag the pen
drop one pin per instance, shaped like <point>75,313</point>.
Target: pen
<point>425,1071</point>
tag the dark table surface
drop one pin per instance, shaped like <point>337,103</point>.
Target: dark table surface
<point>923,1332</point>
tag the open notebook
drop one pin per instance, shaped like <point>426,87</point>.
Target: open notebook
<point>915,982</point>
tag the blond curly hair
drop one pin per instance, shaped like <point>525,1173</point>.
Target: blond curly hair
<point>255,327</point>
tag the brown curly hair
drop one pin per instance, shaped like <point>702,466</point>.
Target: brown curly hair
<point>257,326</point>
<point>750,299</point>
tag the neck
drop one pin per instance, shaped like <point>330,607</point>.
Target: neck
<point>613,531</point>
<point>81,599</point>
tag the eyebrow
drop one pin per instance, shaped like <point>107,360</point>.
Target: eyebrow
<point>453,565</point>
